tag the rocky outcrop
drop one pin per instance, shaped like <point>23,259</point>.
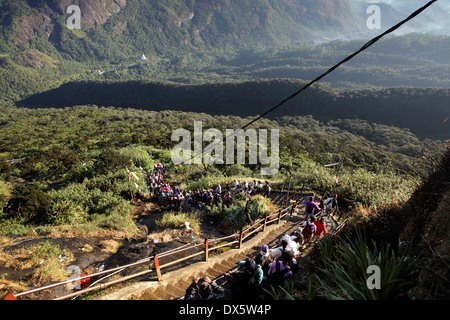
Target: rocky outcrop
<point>93,14</point>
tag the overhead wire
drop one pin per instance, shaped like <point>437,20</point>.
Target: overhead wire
<point>350,57</point>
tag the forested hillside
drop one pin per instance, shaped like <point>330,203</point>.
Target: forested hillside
<point>202,41</point>
<point>81,152</point>
<point>421,110</point>
<point>117,29</point>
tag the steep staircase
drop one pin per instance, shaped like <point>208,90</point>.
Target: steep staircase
<point>174,283</point>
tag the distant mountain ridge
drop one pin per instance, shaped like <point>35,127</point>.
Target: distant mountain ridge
<point>114,29</point>
<point>148,25</point>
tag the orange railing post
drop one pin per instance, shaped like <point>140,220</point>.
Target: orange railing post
<point>158,269</point>
<point>9,296</point>
<point>206,249</point>
<point>241,236</point>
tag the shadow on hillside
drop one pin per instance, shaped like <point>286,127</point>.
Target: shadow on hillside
<point>421,110</point>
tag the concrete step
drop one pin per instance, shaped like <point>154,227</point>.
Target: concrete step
<point>228,264</point>
<point>212,273</point>
<point>176,289</point>
<point>149,295</point>
<point>220,269</point>
<point>163,294</point>
<point>185,283</point>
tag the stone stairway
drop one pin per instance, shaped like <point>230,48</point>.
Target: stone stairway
<point>175,287</point>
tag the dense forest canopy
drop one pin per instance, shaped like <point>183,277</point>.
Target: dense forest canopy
<point>401,107</point>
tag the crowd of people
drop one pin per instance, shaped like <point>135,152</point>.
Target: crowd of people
<point>172,194</point>
<point>272,267</point>
<point>315,206</point>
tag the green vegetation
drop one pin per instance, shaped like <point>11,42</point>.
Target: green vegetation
<point>176,220</point>
<point>48,260</point>
<point>73,174</point>
<point>240,213</point>
<point>222,42</point>
<point>400,107</point>
<point>344,276</point>
<point>409,241</point>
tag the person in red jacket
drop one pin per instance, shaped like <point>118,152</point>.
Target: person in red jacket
<point>320,227</point>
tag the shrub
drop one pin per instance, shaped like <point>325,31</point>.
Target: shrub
<point>237,170</point>
<point>66,212</point>
<point>110,161</point>
<point>173,220</point>
<point>140,155</point>
<point>5,194</point>
<point>29,204</point>
<point>207,181</point>
<point>114,221</point>
<point>234,217</point>
<point>12,227</point>
<point>373,189</point>
<point>94,201</point>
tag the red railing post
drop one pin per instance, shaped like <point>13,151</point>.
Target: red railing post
<point>158,270</point>
<point>241,236</point>
<point>206,249</point>
<point>9,296</point>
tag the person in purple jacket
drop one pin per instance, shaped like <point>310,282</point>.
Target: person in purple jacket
<point>280,270</point>
<point>311,208</point>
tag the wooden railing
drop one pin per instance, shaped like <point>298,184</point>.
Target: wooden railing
<point>207,246</point>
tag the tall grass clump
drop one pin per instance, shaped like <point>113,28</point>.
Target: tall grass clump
<point>357,188</point>
<point>369,189</point>
<point>344,272</point>
<point>48,262</point>
<point>174,220</point>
